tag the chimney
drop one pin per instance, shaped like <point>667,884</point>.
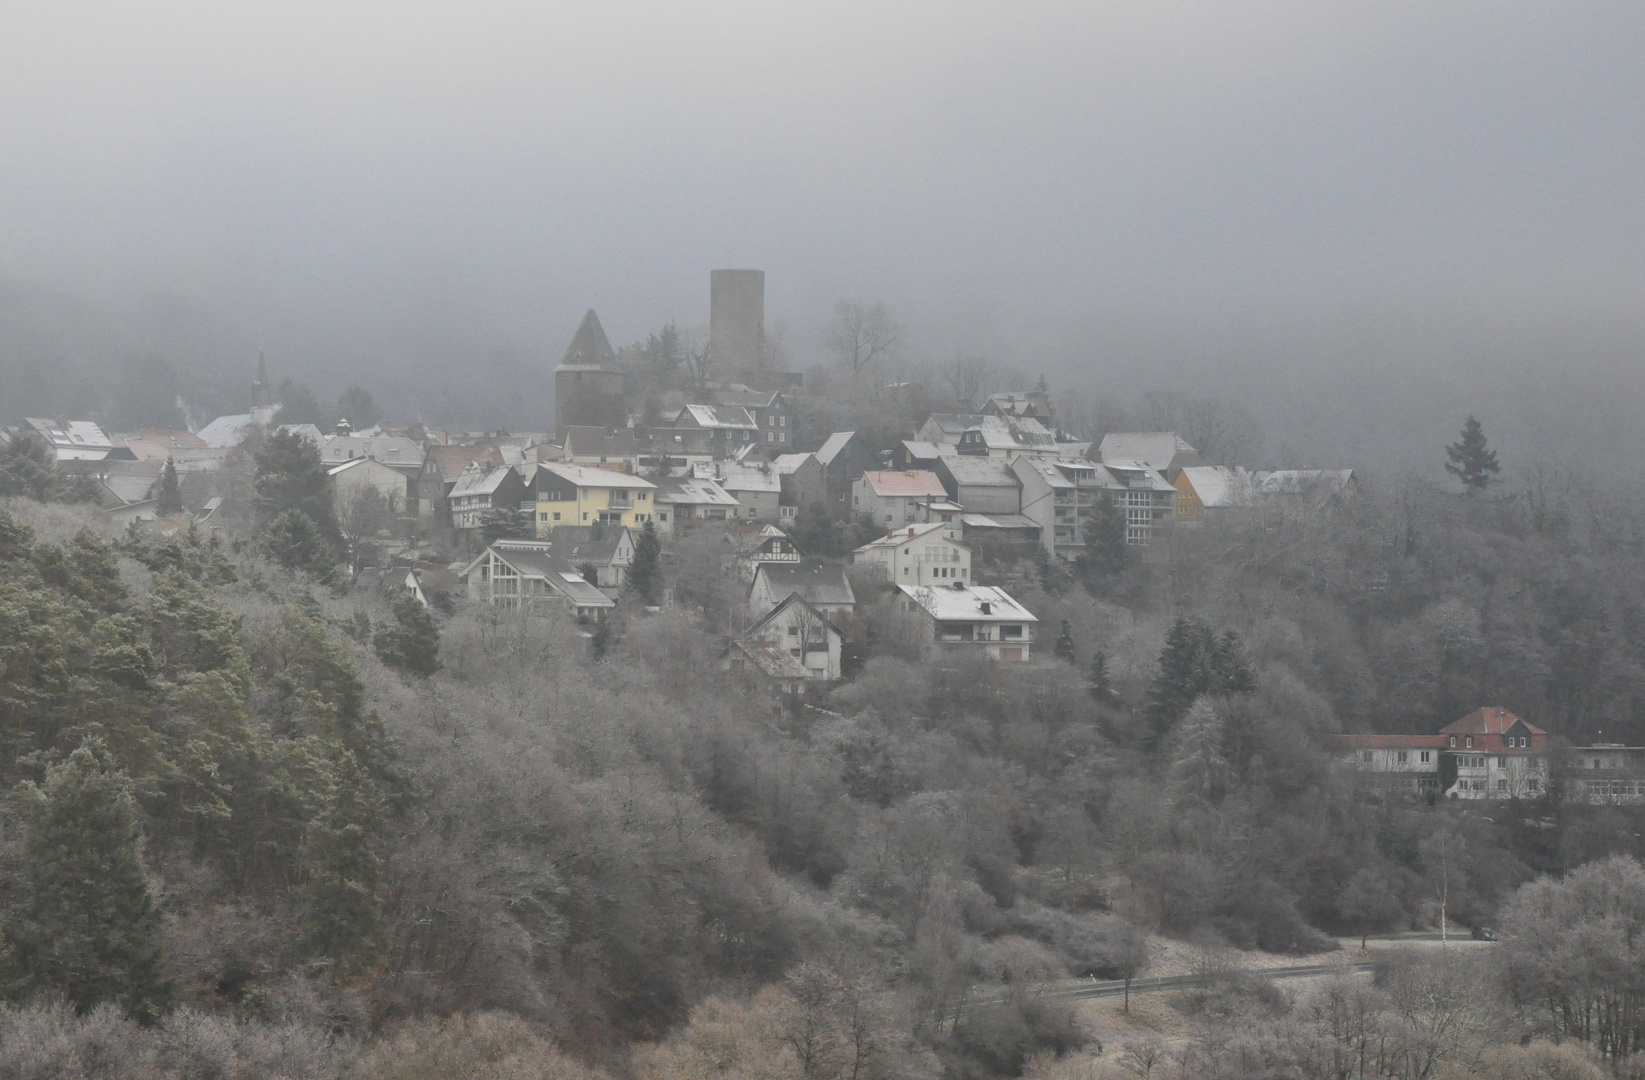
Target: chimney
<point>987,608</point>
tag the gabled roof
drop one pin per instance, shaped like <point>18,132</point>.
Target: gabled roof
<point>964,603</point>
<point>1045,470</point>
<point>226,430</point>
<point>695,491</point>
<point>388,450</point>
<point>817,582</point>
<point>1218,485</point>
<point>898,537</point>
<point>590,349</point>
<point>1015,433</point>
<point>160,443</point>
<point>788,601</point>
<point>999,521</point>
<point>758,399</point>
<point>357,463</point>
<point>787,464</point>
<point>584,476</point>
<point>71,434</point>
<point>1156,449</point>
<point>921,450</point>
<point>1297,481</point>
<point>534,559</point>
<point>833,446</point>
<point>955,424</point>
<point>1491,720</point>
<point>893,484</point>
<point>578,544</point>
<point>737,476</point>
<point>734,417</point>
<point>750,537</point>
<point>478,481</point>
<point>1135,475</point>
<point>979,471</point>
<point>770,659</point>
<point>311,432</point>
<point>453,459</point>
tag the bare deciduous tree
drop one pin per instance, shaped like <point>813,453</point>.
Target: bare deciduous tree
<point>863,336</point>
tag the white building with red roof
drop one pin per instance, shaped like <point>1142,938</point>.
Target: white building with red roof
<point>1488,754</point>
<point>894,498</point>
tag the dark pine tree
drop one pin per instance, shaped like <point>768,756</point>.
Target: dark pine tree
<point>1231,667</point>
<point>1105,552</point>
<point>1096,677</point>
<point>1470,460</point>
<point>298,405</point>
<point>169,499</point>
<point>1185,670</point>
<point>290,476</point>
<point>1065,643</point>
<point>293,541</point>
<point>644,573</point>
<point>412,642</point>
<point>88,928</point>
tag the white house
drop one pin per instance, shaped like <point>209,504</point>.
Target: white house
<point>524,575</point>
<point>73,440</point>
<point>803,632</point>
<point>927,554</point>
<point>982,620</point>
<point>823,585</point>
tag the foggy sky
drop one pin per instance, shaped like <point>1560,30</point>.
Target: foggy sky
<point>1295,203</point>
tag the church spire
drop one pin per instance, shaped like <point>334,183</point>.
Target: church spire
<point>262,395</point>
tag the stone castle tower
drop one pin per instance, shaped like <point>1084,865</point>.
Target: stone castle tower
<point>588,388</point>
<point>736,321</point>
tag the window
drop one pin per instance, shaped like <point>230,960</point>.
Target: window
<point>662,515</point>
<point>1453,740</point>
<point>1531,783</point>
<point>1470,742</point>
<point>1501,762</point>
<point>1425,754</point>
<point>641,496</point>
<point>556,515</point>
<point>1502,785</point>
<point>1403,757</point>
<point>542,517</point>
<point>1367,756</point>
<point>1010,632</point>
<point>585,515</point>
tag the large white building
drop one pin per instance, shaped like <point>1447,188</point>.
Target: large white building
<point>927,554</point>
<point>982,620</point>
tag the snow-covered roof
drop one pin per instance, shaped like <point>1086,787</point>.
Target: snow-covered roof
<point>584,476</point>
<point>695,491</point>
<point>893,484</point>
<point>477,481</point>
<point>1157,449</point>
<point>1218,485</point>
<point>831,447</point>
<point>71,434</point>
<point>737,476</point>
<point>789,463</point>
<point>911,532</point>
<point>734,417</point>
<point>965,603</point>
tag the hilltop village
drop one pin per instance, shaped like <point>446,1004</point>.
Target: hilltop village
<point>933,508</point>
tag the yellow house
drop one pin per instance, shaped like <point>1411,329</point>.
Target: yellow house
<point>579,495</point>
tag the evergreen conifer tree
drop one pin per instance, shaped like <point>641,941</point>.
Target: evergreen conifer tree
<point>1230,667</point>
<point>1105,552</point>
<point>88,928</point>
<point>296,543</point>
<point>1065,643</point>
<point>169,499</point>
<point>1096,677</point>
<point>644,573</point>
<point>1470,460</point>
<point>412,642</point>
<point>291,476</point>
<point>1185,670</point>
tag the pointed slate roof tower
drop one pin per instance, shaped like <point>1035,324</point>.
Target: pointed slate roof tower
<point>262,395</point>
<point>588,387</point>
<point>590,349</point>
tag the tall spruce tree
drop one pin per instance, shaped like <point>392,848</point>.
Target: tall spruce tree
<point>88,928</point>
<point>1194,662</point>
<point>169,499</point>
<point>1470,459</point>
<point>1065,643</point>
<point>645,571</point>
<point>1097,681</point>
<point>291,476</point>
<point>412,642</point>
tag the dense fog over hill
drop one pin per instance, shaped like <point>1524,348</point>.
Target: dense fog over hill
<point>1363,222</point>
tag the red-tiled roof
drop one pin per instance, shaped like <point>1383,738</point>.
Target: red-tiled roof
<point>889,484</point>
<point>1491,720</point>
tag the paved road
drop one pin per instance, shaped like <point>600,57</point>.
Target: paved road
<point>1091,988</point>
<point>1115,988</point>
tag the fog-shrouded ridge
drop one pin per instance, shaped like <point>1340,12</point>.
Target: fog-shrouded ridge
<point>1363,221</point>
